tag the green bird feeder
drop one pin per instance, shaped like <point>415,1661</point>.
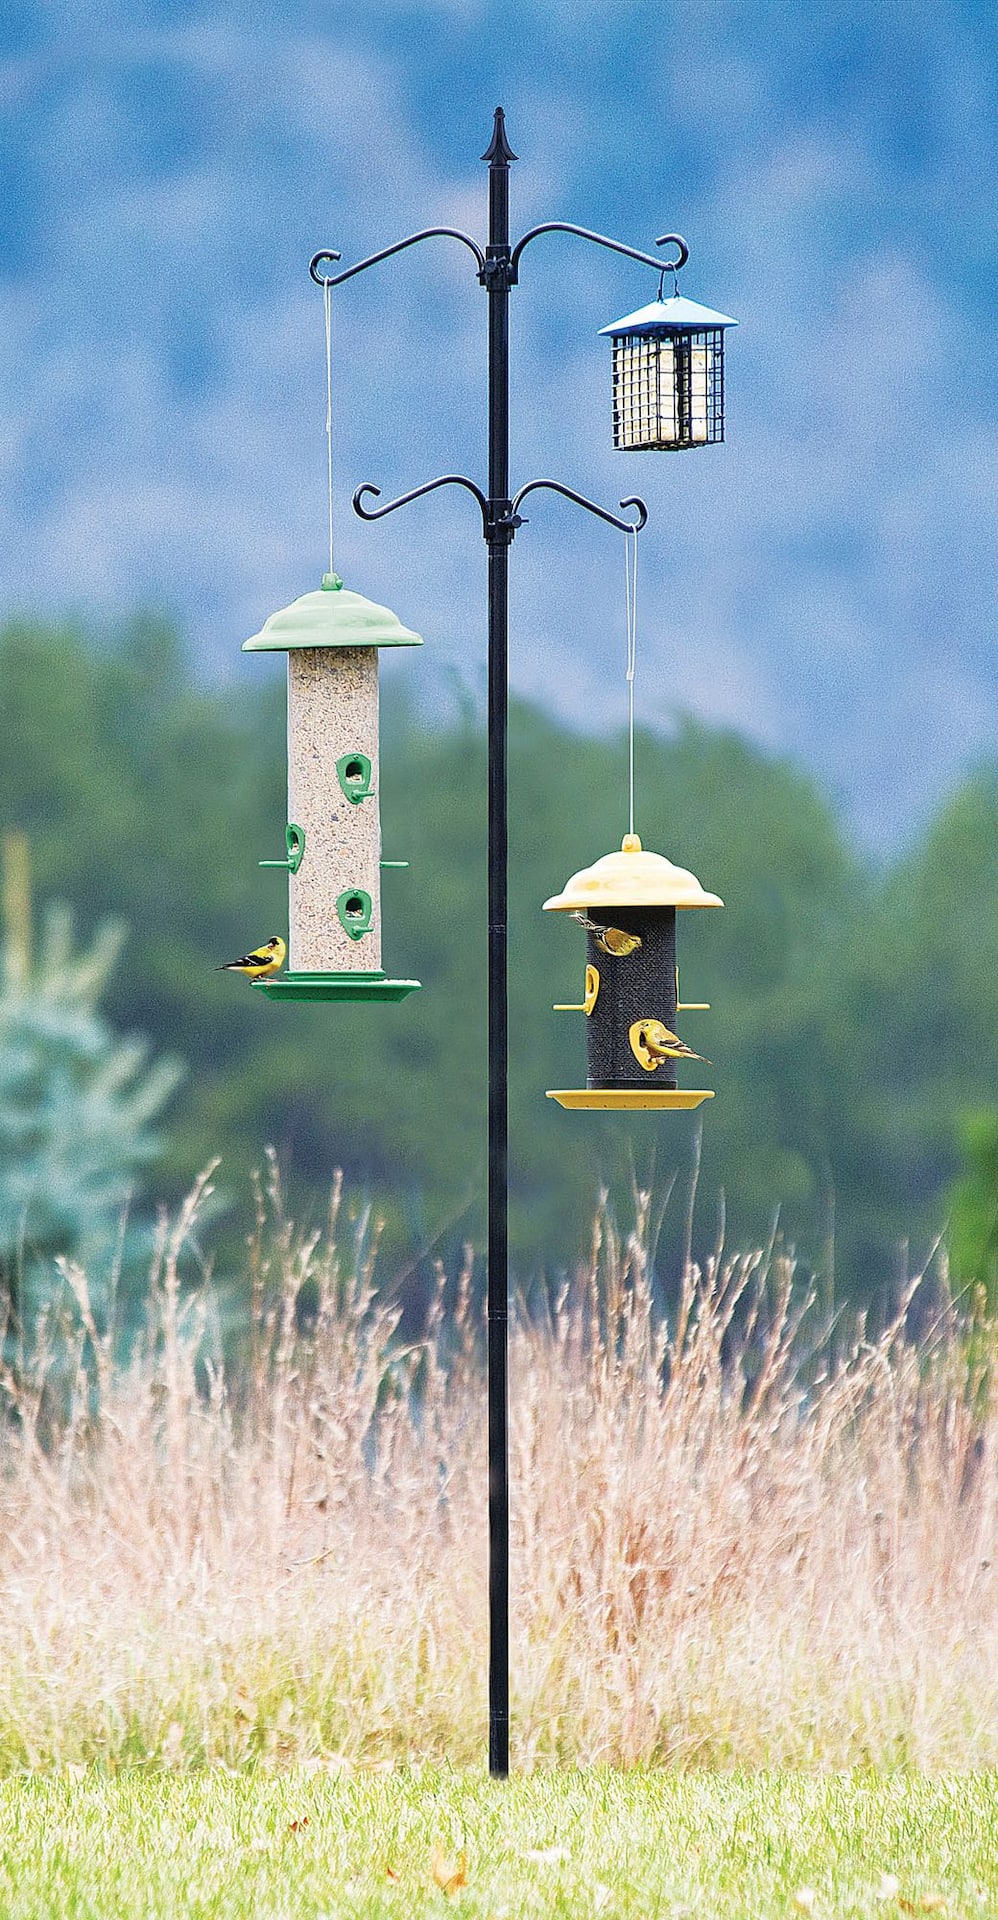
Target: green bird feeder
<point>333,834</point>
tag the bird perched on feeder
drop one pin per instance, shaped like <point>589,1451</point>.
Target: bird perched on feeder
<point>261,962</point>
<point>652,1043</point>
<point>611,940</point>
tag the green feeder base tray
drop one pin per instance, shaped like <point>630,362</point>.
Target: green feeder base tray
<point>336,986</point>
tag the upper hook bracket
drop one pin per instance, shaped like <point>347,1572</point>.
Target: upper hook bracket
<point>328,254</point>
<point>320,262</point>
<point>601,240</point>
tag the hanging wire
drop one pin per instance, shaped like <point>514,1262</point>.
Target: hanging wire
<point>631,603</point>
<point>326,289</point>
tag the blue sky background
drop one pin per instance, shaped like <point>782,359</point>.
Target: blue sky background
<point>825,581</point>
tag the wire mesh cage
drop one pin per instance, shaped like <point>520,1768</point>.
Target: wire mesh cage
<point>668,389</point>
<point>668,376</point>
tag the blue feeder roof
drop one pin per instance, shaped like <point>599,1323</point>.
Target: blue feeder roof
<point>671,316</point>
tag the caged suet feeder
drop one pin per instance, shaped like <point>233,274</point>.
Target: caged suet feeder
<point>668,376</point>
<point>629,901</point>
<point>333,835</point>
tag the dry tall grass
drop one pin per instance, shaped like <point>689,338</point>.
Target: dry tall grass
<point>710,1564</point>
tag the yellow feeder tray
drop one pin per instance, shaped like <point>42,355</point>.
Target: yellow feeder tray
<point>628,1099</point>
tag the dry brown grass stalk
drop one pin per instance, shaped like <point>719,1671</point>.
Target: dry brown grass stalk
<point>712,1563</point>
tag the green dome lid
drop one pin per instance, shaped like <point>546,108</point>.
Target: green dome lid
<point>332,617</point>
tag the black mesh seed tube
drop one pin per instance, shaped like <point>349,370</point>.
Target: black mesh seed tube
<point>640,986</point>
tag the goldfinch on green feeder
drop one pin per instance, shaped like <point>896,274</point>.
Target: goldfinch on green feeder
<point>261,962</point>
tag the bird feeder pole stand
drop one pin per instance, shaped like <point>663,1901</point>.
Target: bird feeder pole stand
<point>499,534</point>
<point>498,271</point>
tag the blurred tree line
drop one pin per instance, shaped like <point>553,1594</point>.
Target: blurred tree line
<point>855,1013</point>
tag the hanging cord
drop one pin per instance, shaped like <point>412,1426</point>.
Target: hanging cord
<point>631,601</point>
<point>326,289</point>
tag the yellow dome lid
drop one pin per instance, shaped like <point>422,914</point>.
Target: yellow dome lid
<point>631,878</point>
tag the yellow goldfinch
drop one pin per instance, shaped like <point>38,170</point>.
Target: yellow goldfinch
<point>652,1044</point>
<point>261,961</point>
<point>611,940</point>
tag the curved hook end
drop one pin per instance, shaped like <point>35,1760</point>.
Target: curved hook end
<point>328,254</point>
<point>674,240</point>
<point>634,501</point>
<point>359,493</point>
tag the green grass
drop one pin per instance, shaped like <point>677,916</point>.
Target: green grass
<point>594,1842</point>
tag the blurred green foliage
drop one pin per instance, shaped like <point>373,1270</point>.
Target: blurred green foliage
<point>855,1014</point>
<point>974,1200</point>
<point>79,1108</point>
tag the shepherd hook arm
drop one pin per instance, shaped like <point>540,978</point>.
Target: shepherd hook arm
<point>445,480</point>
<point>555,486</point>
<point>600,240</point>
<point>328,255</point>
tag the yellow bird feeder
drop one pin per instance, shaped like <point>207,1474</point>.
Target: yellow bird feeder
<point>629,901</point>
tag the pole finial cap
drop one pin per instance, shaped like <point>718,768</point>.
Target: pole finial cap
<point>499,152</point>
<point>631,843</point>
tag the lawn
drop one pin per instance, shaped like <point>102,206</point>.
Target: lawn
<point>403,1842</point>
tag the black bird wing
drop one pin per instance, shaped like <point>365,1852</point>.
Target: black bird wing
<point>258,958</point>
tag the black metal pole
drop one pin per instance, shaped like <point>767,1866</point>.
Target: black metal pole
<point>498,533</point>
